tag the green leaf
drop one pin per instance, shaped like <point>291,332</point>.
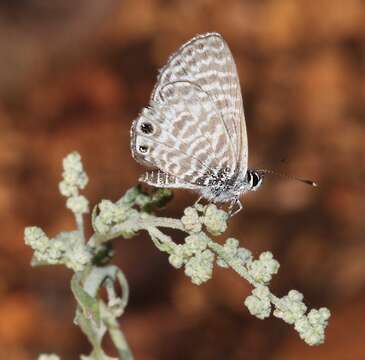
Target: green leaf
<point>159,199</point>
<point>88,304</point>
<point>130,196</point>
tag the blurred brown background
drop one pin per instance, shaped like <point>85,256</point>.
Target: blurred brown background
<point>73,76</point>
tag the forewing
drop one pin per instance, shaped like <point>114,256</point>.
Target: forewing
<point>207,62</point>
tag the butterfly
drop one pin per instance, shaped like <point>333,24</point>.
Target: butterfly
<point>193,133</point>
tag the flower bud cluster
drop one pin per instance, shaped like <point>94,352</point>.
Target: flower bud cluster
<point>110,215</point>
<point>260,270</point>
<point>214,219</point>
<point>200,267</point>
<point>191,220</point>
<point>264,268</point>
<point>74,179</point>
<point>259,303</point>
<point>291,307</point>
<point>231,253</point>
<point>196,257</point>
<point>311,327</point>
<point>66,248</point>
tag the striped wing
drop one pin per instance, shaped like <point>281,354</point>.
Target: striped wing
<point>194,127</point>
<point>173,135</point>
<point>207,62</point>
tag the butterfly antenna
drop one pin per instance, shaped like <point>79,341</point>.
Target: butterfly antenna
<point>271,172</point>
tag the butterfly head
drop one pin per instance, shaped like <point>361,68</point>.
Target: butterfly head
<point>254,179</point>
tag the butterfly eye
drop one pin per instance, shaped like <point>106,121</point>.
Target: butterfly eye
<point>255,180</point>
<point>146,128</point>
<point>143,149</point>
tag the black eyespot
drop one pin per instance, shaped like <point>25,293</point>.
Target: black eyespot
<point>147,128</point>
<point>143,148</point>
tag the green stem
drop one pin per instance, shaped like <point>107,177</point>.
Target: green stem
<point>116,334</point>
<point>94,330</point>
<point>80,226</point>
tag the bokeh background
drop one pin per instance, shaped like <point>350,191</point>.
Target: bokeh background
<point>73,76</point>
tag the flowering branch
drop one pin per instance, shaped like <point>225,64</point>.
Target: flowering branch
<point>92,271</point>
<point>197,255</point>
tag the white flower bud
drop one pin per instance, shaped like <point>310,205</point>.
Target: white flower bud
<point>74,177</point>
<point>200,267</point>
<point>176,261</point>
<point>215,220</point>
<point>311,327</point>
<point>66,189</point>
<point>55,251</point>
<point>111,214</point>
<point>36,238</point>
<point>78,204</point>
<point>77,256</point>
<point>191,220</point>
<point>263,268</point>
<point>319,316</point>
<point>231,246</point>
<point>258,303</point>
<point>291,307</point>
<point>196,243</point>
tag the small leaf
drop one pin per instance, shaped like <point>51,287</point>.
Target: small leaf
<point>88,304</point>
<point>130,196</point>
<point>159,199</point>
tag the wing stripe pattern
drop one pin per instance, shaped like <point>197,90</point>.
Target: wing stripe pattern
<point>178,144</point>
<point>207,61</point>
<point>194,127</point>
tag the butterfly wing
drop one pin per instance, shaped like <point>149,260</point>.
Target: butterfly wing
<point>207,62</point>
<point>174,135</point>
<point>163,180</point>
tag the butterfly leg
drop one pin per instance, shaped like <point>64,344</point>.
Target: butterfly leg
<point>231,211</point>
<point>198,201</point>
